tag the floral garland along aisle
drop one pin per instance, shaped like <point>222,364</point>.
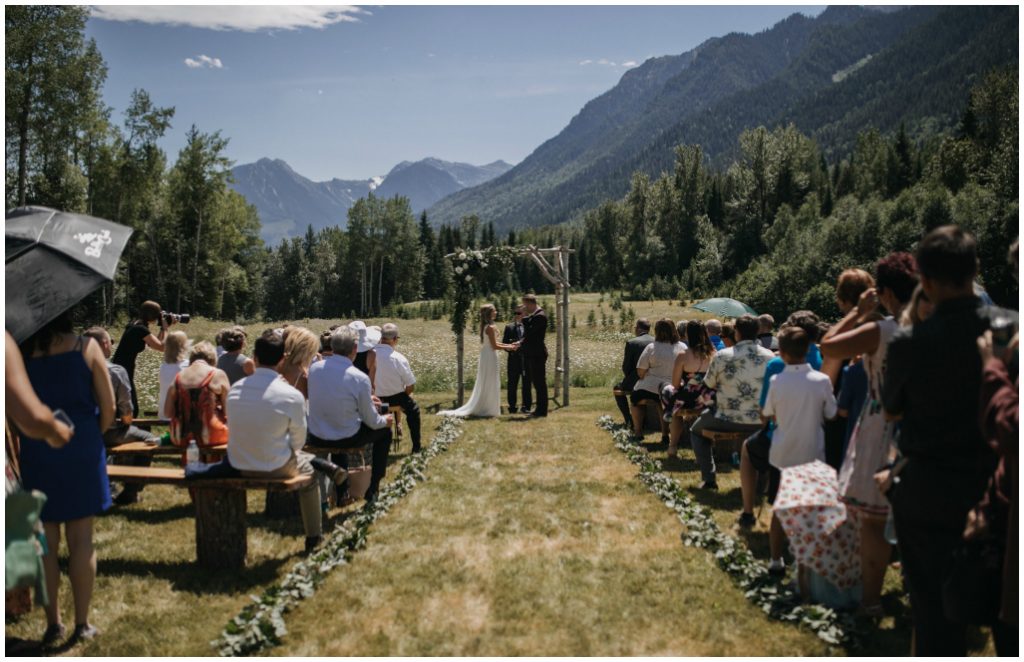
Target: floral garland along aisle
<point>776,600</point>
<point>261,625</point>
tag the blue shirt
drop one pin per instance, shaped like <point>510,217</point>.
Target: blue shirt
<point>717,342</point>
<point>339,400</point>
<point>852,393</point>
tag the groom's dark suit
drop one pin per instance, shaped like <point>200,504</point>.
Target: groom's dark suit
<point>535,355</point>
<point>516,368</point>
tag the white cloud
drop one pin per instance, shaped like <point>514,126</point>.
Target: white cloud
<point>203,61</point>
<point>605,62</point>
<point>232,17</point>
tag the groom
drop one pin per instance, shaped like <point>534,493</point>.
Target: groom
<point>535,354</point>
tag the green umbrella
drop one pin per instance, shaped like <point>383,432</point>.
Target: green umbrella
<point>724,307</point>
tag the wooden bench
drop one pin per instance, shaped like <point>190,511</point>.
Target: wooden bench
<point>142,448</point>
<point>652,417</point>
<point>221,536</point>
<point>725,443</point>
<point>149,423</point>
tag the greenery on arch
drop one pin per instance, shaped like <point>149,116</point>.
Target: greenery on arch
<point>468,266</point>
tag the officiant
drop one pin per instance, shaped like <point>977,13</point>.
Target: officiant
<point>514,332</point>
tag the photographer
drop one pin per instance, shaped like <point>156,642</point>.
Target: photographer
<point>136,338</point>
<point>342,412</point>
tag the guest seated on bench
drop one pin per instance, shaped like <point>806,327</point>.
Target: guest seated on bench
<point>122,431</point>
<point>342,411</point>
<point>268,430</point>
<point>634,347</point>
<point>395,381</point>
<point>654,368</point>
<point>195,404</point>
<point>687,390</point>
<point>737,374</point>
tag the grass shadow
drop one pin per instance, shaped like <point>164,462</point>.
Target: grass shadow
<point>188,577</point>
<point>170,514</point>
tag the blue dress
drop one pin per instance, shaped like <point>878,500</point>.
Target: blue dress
<point>73,478</point>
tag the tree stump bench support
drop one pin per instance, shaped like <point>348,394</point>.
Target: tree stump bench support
<point>725,443</point>
<point>221,534</point>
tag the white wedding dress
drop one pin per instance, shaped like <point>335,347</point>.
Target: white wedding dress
<point>486,398</point>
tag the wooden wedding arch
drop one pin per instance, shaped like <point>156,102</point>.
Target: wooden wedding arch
<point>554,266</point>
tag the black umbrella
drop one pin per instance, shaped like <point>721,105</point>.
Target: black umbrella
<point>54,260</point>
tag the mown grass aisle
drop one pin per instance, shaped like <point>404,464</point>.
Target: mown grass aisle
<point>534,538</point>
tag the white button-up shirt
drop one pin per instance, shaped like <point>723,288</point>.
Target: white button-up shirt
<point>266,422</point>
<point>339,400</point>
<point>800,399</point>
<point>393,371</point>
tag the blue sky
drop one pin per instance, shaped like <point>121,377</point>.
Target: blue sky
<point>347,92</point>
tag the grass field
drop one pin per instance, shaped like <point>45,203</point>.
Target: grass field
<point>528,538</point>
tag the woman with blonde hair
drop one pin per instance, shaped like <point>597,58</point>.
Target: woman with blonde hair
<point>486,398</point>
<point>300,350</point>
<point>175,360</point>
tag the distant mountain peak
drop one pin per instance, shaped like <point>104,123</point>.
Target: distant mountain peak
<point>287,202</point>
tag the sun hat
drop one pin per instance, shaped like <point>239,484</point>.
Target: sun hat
<point>369,337</point>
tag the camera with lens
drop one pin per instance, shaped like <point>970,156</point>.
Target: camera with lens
<point>383,408</point>
<point>1003,329</point>
<point>174,318</point>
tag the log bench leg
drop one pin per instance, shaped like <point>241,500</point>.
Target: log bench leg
<point>221,541</point>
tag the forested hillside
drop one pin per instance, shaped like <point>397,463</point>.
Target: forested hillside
<point>833,76</point>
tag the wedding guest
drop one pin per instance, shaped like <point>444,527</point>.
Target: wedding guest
<point>995,517</point>
<point>342,410</point>
<point>122,431</point>
<point>714,328</point>
<point>918,310</point>
<point>195,402</point>
<point>932,385</point>
<point>365,359</point>
<point>234,364</point>
<point>395,381</point>
<point>757,445</point>
<point>515,332</point>
<point>728,334</point>
<point>175,360</point>
<point>687,391</point>
<point>800,400</point>
<point>631,354</point>
<point>136,338</point>
<point>865,332</point>
<point>766,324</point>
<point>300,350</point>
<point>24,408</point>
<point>69,372</point>
<point>654,368</point>
<point>269,430</point>
<point>852,393</point>
<point>737,374</point>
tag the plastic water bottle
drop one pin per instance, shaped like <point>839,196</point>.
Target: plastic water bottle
<point>192,454</point>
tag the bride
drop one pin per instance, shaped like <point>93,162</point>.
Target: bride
<point>486,398</point>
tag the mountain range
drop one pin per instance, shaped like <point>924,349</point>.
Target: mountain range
<point>287,202</point>
<point>832,76</point>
